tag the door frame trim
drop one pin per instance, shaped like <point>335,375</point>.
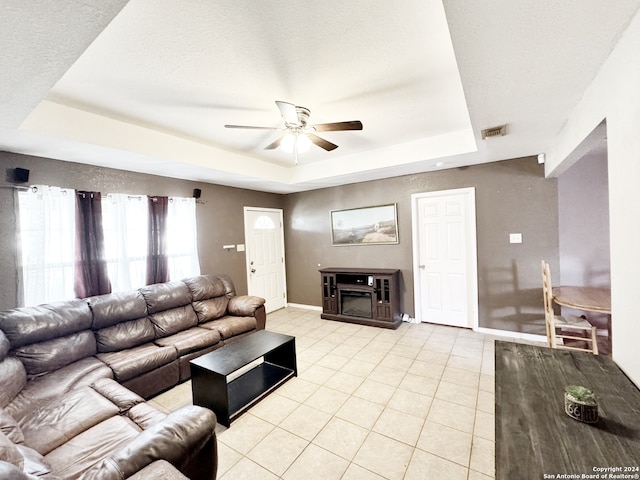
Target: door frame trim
<point>471,246</point>
<point>284,259</point>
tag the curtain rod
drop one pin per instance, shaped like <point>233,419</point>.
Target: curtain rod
<point>15,187</point>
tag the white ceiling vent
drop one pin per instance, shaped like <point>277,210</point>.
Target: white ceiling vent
<point>499,131</point>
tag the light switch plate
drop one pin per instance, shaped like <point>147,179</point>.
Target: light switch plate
<point>240,247</point>
<point>515,238</point>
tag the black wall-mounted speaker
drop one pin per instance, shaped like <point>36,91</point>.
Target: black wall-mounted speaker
<point>196,193</point>
<point>20,175</point>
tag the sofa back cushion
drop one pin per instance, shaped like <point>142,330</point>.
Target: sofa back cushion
<point>209,297</point>
<point>204,287</point>
<point>165,296</point>
<point>230,289</point>
<point>211,309</point>
<point>10,428</point>
<point>27,325</point>
<point>174,320</point>
<point>13,378</point>
<point>114,308</point>
<point>5,346</point>
<point>43,357</point>
<point>125,335</point>
<point>9,452</point>
<point>169,307</point>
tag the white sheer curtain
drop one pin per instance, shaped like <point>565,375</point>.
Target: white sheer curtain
<point>182,238</point>
<point>125,220</point>
<point>47,241</point>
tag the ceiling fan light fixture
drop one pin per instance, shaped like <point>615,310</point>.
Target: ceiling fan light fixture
<point>291,139</point>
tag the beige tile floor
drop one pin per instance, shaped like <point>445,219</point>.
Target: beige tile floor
<point>368,403</point>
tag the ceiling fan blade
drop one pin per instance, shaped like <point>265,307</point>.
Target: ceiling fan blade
<point>289,113</point>
<point>322,143</point>
<point>337,126</point>
<point>275,144</point>
<point>251,127</point>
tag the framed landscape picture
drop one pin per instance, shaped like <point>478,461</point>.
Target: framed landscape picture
<point>364,226</point>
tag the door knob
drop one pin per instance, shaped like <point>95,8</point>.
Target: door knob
<point>422,266</point>
<point>253,270</point>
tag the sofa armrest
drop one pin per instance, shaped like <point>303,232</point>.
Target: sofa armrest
<point>244,305</point>
<point>261,317</point>
<point>178,439</point>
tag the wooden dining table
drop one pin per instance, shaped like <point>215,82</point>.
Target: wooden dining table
<point>590,299</point>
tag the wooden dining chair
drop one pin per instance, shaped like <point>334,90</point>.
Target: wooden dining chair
<point>572,323</point>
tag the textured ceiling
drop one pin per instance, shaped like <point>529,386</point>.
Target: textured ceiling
<point>151,90</point>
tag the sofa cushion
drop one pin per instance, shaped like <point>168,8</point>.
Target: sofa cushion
<point>230,326</point>
<point>229,288</point>
<point>9,452</point>
<point>133,362</point>
<point>92,446</point>
<point>114,308</point>
<point>205,287</point>
<point>211,309</point>
<point>13,378</point>
<point>174,320</point>
<point>43,389</point>
<point>165,296</point>
<point>10,428</point>
<point>35,464</point>
<point>43,357</point>
<point>5,346</point>
<point>190,340</point>
<point>54,423</point>
<point>28,325</point>
<point>125,335</point>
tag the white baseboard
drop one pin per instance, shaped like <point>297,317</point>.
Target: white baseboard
<point>306,307</point>
<point>506,333</point>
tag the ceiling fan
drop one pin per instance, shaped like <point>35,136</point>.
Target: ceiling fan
<point>298,135</point>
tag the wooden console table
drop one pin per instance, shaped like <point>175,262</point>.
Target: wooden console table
<point>535,437</point>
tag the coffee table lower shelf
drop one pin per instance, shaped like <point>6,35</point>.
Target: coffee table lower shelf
<point>251,386</point>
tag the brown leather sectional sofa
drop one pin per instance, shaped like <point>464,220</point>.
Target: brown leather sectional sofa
<point>74,376</point>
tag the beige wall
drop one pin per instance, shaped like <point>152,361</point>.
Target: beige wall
<point>220,217</point>
<point>511,197</point>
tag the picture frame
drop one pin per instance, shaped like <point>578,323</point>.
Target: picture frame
<point>374,225</point>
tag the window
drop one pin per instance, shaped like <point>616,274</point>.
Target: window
<point>47,236</point>
<point>125,220</point>
<point>264,222</point>
<point>47,240</point>
<point>182,238</point>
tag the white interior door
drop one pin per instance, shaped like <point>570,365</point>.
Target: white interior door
<point>264,239</point>
<point>445,268</point>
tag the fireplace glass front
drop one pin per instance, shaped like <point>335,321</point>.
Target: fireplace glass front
<point>356,303</point>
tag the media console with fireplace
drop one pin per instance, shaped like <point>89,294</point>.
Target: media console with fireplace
<point>364,296</point>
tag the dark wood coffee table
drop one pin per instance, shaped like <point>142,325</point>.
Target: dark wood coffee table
<point>214,385</point>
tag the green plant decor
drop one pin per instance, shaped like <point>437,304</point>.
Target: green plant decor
<point>581,394</point>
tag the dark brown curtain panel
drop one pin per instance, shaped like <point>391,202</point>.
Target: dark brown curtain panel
<point>90,275</point>
<point>157,260</point>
